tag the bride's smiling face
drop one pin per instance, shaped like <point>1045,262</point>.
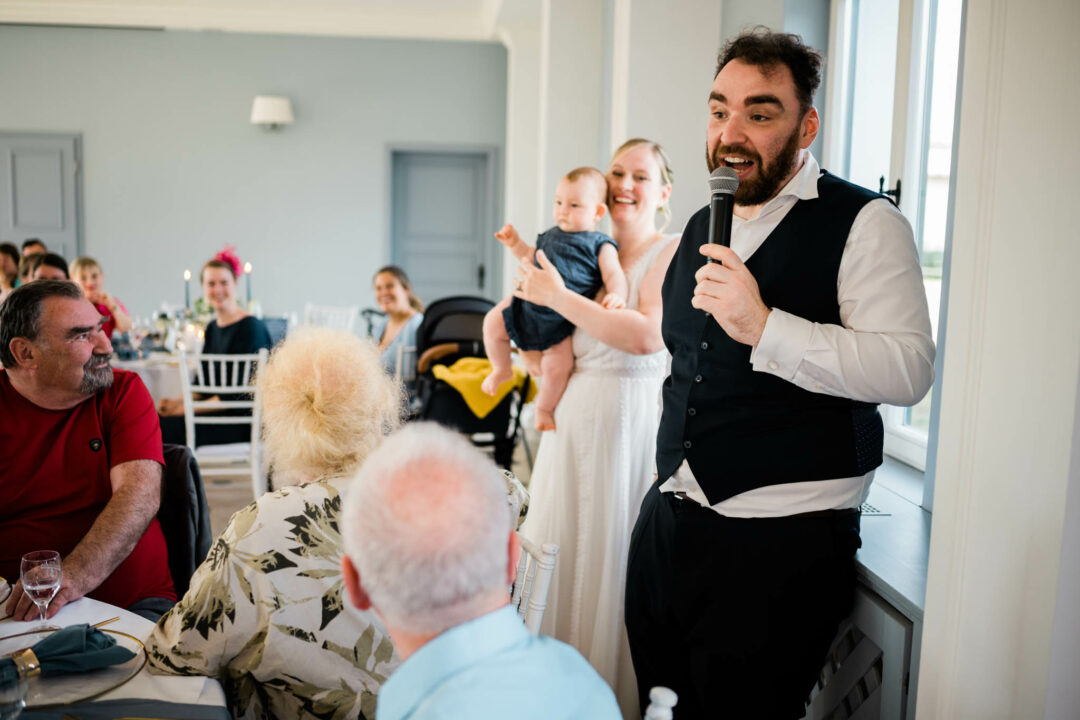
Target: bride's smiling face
<point>636,190</point>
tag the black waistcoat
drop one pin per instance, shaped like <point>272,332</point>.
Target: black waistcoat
<point>740,429</point>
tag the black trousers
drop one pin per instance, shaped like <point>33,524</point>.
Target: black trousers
<point>735,615</point>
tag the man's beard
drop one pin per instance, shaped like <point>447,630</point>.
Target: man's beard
<point>97,375</point>
<point>769,179</point>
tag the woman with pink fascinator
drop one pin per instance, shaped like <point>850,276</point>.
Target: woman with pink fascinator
<point>233,331</point>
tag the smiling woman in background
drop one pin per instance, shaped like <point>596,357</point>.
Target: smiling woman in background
<point>88,275</point>
<point>404,313</point>
<point>232,332</point>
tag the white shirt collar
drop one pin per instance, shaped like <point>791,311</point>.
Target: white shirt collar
<point>803,186</point>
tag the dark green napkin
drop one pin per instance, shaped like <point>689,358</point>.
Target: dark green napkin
<point>75,649</point>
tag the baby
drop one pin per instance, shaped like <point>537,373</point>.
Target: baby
<point>586,259</point>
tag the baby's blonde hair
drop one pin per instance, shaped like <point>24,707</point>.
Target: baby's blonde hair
<point>327,402</point>
<point>593,177</point>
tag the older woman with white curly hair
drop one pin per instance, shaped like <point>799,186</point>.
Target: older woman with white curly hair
<point>264,613</point>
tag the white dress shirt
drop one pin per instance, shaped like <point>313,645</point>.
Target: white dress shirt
<point>882,353</point>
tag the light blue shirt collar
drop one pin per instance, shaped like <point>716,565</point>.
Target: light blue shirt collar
<point>447,655</point>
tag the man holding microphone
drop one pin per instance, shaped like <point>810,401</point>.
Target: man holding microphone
<point>741,564</point>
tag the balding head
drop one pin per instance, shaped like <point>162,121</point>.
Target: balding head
<point>426,526</point>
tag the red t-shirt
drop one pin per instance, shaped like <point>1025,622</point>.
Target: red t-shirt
<point>54,480</point>
<point>110,323</point>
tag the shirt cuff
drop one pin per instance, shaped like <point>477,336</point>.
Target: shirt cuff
<point>782,345</point>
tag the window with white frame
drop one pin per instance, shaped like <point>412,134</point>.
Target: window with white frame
<point>890,109</point>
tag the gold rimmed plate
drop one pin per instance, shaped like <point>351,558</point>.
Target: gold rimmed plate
<point>44,691</point>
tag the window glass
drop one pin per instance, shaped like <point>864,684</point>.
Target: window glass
<point>934,205</point>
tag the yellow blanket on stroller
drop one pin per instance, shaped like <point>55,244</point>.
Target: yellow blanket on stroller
<point>465,376</point>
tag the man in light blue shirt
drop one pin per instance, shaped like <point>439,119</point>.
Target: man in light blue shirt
<point>429,544</point>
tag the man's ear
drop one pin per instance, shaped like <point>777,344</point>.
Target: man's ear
<point>357,596</point>
<point>24,351</point>
<point>515,555</point>
<point>811,123</point>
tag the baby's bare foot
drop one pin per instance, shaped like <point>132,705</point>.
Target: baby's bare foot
<point>494,379</point>
<point>545,420</point>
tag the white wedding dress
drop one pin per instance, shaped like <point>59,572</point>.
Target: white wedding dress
<point>590,477</point>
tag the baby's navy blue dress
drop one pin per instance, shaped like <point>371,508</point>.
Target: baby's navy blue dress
<point>574,255</point>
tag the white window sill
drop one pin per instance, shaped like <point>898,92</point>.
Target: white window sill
<point>903,479</point>
<point>896,544</point>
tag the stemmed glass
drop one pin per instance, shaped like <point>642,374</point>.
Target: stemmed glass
<point>41,573</point>
<point>12,697</point>
<point>140,330</point>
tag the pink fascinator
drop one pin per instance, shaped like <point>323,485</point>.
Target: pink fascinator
<point>228,254</point>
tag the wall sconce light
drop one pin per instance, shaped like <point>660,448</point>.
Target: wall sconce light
<point>271,111</point>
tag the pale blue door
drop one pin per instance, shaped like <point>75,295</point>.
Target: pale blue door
<point>39,190</point>
<point>443,221</point>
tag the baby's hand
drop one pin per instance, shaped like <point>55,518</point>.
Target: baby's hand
<point>508,236</point>
<point>612,301</point>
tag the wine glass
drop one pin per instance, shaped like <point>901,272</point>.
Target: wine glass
<point>12,697</point>
<point>41,573</point>
<point>140,331</point>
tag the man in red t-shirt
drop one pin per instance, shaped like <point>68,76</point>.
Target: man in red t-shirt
<point>80,472</point>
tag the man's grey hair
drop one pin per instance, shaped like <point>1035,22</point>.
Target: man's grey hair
<point>20,313</point>
<point>426,526</point>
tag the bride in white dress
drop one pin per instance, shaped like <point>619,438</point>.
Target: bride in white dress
<point>592,472</point>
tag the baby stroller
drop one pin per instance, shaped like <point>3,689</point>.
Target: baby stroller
<point>452,329</point>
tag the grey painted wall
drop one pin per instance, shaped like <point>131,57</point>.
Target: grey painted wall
<point>172,169</point>
<point>669,91</point>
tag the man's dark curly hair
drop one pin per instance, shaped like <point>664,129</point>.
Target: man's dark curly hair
<point>766,49</point>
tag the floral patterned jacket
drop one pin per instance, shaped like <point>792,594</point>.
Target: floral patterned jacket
<point>266,615</point>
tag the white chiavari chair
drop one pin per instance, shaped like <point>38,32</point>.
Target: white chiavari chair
<point>339,318</point>
<point>229,378</point>
<point>534,571</point>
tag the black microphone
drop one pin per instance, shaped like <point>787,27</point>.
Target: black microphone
<point>723,182</point>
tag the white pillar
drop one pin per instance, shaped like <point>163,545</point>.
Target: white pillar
<point>1009,386</point>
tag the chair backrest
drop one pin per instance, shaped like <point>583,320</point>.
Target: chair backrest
<point>184,515</point>
<point>230,378</point>
<point>534,571</point>
<point>339,318</point>
<point>661,702</point>
<point>227,377</point>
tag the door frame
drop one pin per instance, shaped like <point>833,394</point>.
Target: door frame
<point>77,142</point>
<point>493,261</point>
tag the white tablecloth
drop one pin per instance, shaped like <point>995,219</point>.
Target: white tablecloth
<point>169,688</point>
<point>160,373</point>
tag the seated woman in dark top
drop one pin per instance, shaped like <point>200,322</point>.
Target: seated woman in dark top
<point>232,332</point>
